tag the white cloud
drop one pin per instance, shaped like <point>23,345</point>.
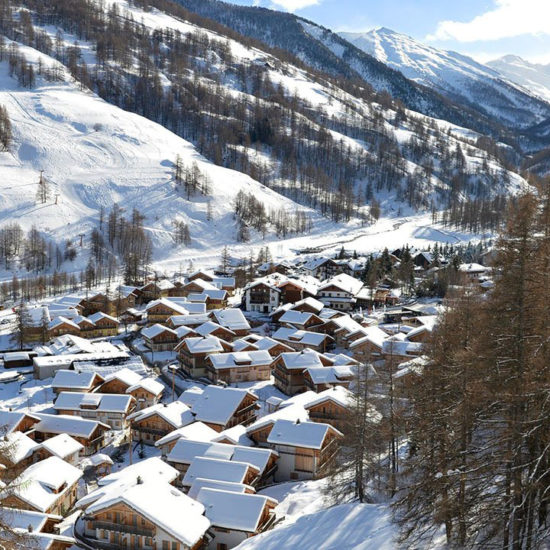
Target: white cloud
<point>507,19</point>
<point>294,5</point>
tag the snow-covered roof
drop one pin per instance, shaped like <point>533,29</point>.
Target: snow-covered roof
<point>292,413</point>
<point>191,395</point>
<point>231,318</point>
<point>58,321</point>
<point>309,435</point>
<point>240,359</point>
<point>301,359</point>
<point>338,394</point>
<point>212,468</point>
<point>37,315</point>
<point>192,320</point>
<point>230,510</point>
<point>163,505</point>
<point>311,302</point>
<point>186,450</point>
<point>25,519</point>
<point>197,431</point>
<point>19,446</point>
<point>148,384</point>
<point>97,460</point>
<point>340,359</point>
<point>62,445</point>
<point>345,282</point>
<point>100,315</point>
<point>207,344</point>
<point>345,322</point>
<point>62,423</point>
<point>401,347</point>
<point>315,263</point>
<point>235,434</point>
<point>472,268</point>
<point>207,328</point>
<point>71,379</point>
<point>304,337</point>
<point>177,414</point>
<point>124,375</point>
<point>201,483</point>
<point>205,285</point>
<point>374,335</point>
<point>40,484</point>
<point>183,332</point>
<point>153,469</point>
<point>212,293</point>
<point>102,402</point>
<point>296,317</point>
<point>10,419</point>
<point>217,405</point>
<point>156,329</point>
<point>171,304</point>
<point>330,375</point>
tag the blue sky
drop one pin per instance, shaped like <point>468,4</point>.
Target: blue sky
<point>484,29</point>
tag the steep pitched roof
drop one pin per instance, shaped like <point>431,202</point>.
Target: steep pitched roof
<point>217,405</point>
<point>310,435</point>
<point>231,510</point>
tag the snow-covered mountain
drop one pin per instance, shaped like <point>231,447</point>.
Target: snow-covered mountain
<point>457,76</point>
<point>331,53</point>
<point>296,140</point>
<point>533,76</point>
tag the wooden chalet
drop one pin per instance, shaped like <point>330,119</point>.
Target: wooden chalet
<point>332,407</point>
<point>289,368</point>
<point>153,423</point>
<point>235,517</point>
<point>222,408</point>
<point>192,353</point>
<point>151,514</point>
<point>305,448</point>
<point>159,311</point>
<point>242,366</point>
<point>48,486</point>
<point>90,433</point>
<point>104,324</point>
<point>159,338</point>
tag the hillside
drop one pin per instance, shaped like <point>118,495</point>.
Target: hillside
<point>455,75</point>
<point>94,155</point>
<point>111,104</point>
<point>533,76</point>
<point>322,48</point>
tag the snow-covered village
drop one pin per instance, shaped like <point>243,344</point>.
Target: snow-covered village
<point>194,413</point>
<point>274,275</point>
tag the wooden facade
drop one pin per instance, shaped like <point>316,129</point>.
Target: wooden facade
<point>121,526</point>
<point>329,412</point>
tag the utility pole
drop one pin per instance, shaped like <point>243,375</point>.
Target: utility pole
<point>81,235</point>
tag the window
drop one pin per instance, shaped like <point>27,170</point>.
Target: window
<point>175,546</point>
<point>165,545</point>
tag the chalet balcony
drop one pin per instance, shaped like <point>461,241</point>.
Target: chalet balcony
<point>143,429</point>
<point>327,416</point>
<point>123,528</point>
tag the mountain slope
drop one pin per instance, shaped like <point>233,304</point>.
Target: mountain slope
<point>94,155</point>
<point>454,75</point>
<point>318,156</point>
<point>533,76</point>
<point>321,48</point>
